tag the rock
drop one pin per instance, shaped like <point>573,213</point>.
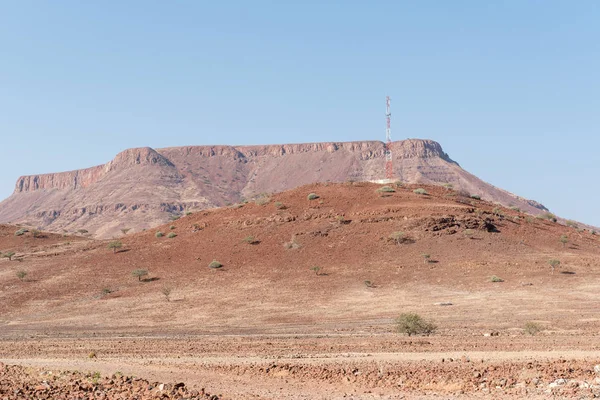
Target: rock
<point>597,369</point>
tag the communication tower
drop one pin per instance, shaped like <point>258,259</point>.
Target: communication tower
<point>389,164</point>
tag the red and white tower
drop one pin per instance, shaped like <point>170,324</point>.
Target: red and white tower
<point>389,165</point>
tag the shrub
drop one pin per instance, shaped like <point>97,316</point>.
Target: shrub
<point>572,224</point>
<point>214,264</point>
<point>9,255</point>
<point>106,291</point>
<point>262,199</point>
<point>398,184</point>
<point>469,233</point>
<point>386,189</point>
<point>495,278</point>
<point>82,231</point>
<point>292,244</point>
<point>564,239</point>
<point>426,258</point>
<point>448,186</point>
<point>250,240</point>
<point>532,328</point>
<point>159,234</point>
<point>166,291</point>
<point>21,274</point>
<point>515,208</point>
<point>115,245</point>
<point>554,264</point>
<point>398,237</point>
<point>498,212</point>
<point>549,216</point>
<point>317,270</point>
<point>20,232</point>
<point>125,230</point>
<point>172,235</point>
<point>476,196</point>
<point>369,284</point>
<point>312,196</point>
<point>280,206</point>
<point>36,233</point>
<point>139,273</point>
<point>420,191</point>
<point>187,213</point>
<point>174,217</point>
<point>172,227</point>
<point>414,324</point>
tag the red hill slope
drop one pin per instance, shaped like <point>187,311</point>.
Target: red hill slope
<point>144,187</point>
<point>267,283</point>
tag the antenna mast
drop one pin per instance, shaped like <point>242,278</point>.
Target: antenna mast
<point>389,165</point>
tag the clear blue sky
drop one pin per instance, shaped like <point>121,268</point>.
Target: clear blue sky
<point>511,89</point>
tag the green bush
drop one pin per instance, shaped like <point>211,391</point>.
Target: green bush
<point>172,227</point>
<point>20,232</point>
<point>564,239</point>
<point>554,264</point>
<point>21,274</point>
<point>139,273</point>
<point>214,264</point>
<point>172,235</point>
<point>386,189</point>
<point>420,191</point>
<point>476,196</point>
<point>414,324</point>
<point>9,255</point>
<point>317,270</point>
<point>548,216</point>
<point>114,245</point>
<point>159,234</point>
<point>495,278</point>
<point>312,196</point>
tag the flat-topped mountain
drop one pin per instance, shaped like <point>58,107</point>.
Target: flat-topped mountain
<point>144,187</point>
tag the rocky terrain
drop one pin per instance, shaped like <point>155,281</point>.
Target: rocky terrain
<point>304,303</point>
<point>144,187</point>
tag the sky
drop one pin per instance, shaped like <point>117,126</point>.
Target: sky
<point>510,89</point>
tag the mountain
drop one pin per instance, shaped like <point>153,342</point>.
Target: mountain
<point>145,187</point>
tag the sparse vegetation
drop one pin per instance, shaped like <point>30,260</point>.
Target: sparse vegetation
<point>386,189</point>
<point>498,212</point>
<point>398,237</point>
<point>369,284</point>
<point>420,191</point>
<point>496,279</point>
<point>106,291</point>
<point>398,184</point>
<point>564,239</point>
<point>531,328</point>
<point>115,245</point>
<point>21,274</point>
<point>280,206</point>
<point>172,227</point>
<point>82,231</point>
<point>515,208</point>
<point>312,196</point>
<point>172,235</point>
<point>414,324</point>
<point>188,213</point>
<point>139,273</point>
<point>292,244</point>
<point>426,258</point>
<point>317,270</point>
<point>554,264</point>
<point>166,291</point>
<point>548,216</point>
<point>250,240</point>
<point>174,217</point>
<point>9,255</point>
<point>476,196</point>
<point>36,233</point>
<point>470,233</point>
<point>572,224</point>
<point>159,234</point>
<point>214,264</point>
<point>262,199</point>
<point>20,232</point>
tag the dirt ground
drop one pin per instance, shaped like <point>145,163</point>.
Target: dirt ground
<point>266,325</point>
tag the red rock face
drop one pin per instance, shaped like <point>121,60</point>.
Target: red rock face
<point>143,187</point>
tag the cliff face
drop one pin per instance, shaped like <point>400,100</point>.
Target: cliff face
<point>143,187</point>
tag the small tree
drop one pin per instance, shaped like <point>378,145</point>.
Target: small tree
<point>317,270</point>
<point>21,274</point>
<point>139,273</point>
<point>414,324</point>
<point>564,239</point>
<point>426,258</point>
<point>115,245</point>
<point>9,255</point>
<point>554,264</point>
<point>166,291</point>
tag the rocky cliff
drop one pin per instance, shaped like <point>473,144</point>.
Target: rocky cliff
<point>143,187</point>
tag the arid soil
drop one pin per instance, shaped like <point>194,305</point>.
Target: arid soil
<point>269,325</point>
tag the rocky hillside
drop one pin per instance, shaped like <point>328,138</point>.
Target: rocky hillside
<point>145,187</point>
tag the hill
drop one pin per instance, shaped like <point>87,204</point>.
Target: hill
<point>269,249</point>
<point>145,187</point>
